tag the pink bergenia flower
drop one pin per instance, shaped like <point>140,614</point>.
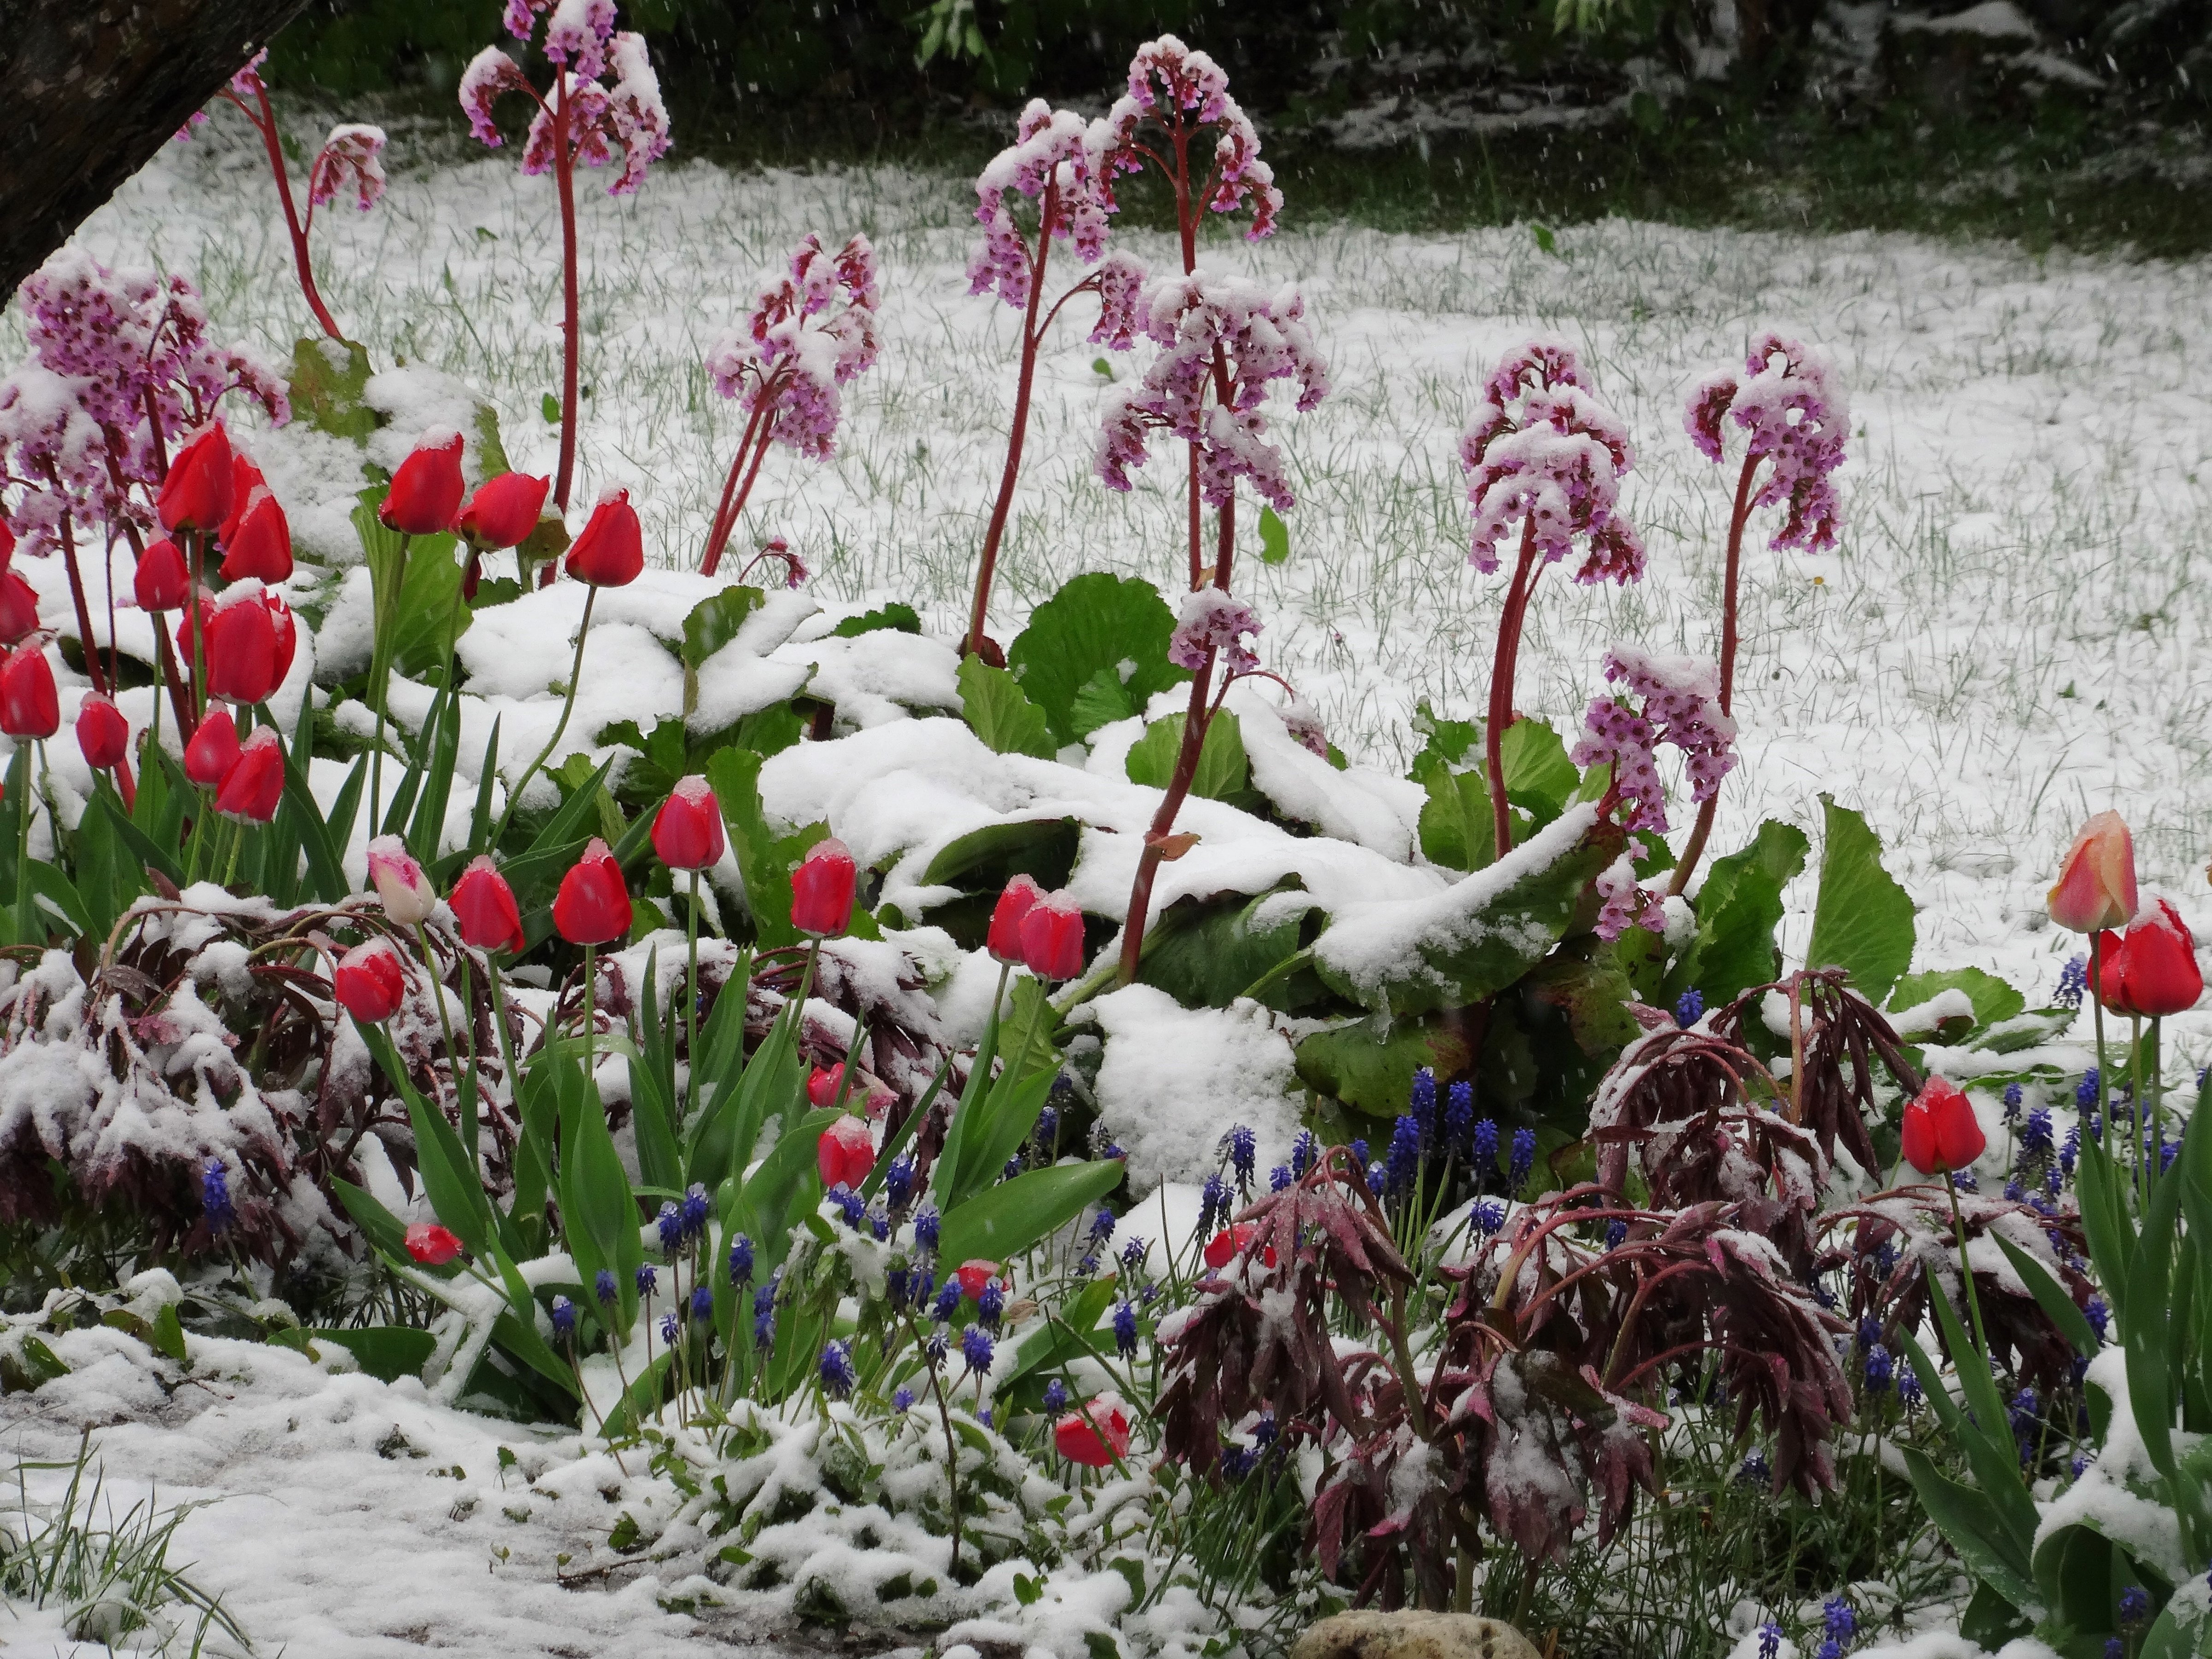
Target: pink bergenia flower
<point>1050,151</point>
<point>350,158</point>
<point>576,38</point>
<point>1213,627</point>
<point>1543,450</point>
<point>1681,706</point>
<point>809,333</point>
<point>628,114</point>
<point>1793,405</point>
<point>1261,338</point>
<point>1180,92</point>
<point>1625,904</point>
<point>1304,727</point>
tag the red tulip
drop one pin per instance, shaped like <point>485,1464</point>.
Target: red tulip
<point>484,906</point>
<point>241,651</point>
<point>261,545</point>
<point>2151,970</point>
<point>432,1245</point>
<point>370,982</point>
<point>19,607</point>
<point>426,490</point>
<point>1097,1435</point>
<point>28,706</point>
<point>1232,1241</point>
<point>823,1084</point>
<point>103,735</point>
<point>687,832</point>
<point>245,479</point>
<point>822,889</point>
<point>1941,1131</point>
<point>7,542</point>
<point>1052,938</point>
<point>2096,886</point>
<point>1019,897</point>
<point>196,494</point>
<point>975,1278</point>
<point>213,750</point>
<point>163,581</point>
<point>285,629</point>
<point>593,903</point>
<point>405,892</point>
<point>846,1153</point>
<point>503,511</point>
<point>252,788</point>
<point>611,551</point>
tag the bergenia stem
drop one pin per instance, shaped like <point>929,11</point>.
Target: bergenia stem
<point>1501,690</point>
<point>100,681</point>
<point>733,498</point>
<point>1018,434</point>
<point>1195,725</point>
<point>1694,849</point>
<point>266,126</point>
<point>198,539</point>
<point>567,707</point>
<point>564,179</point>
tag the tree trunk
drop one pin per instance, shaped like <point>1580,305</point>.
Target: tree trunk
<point>89,90</point>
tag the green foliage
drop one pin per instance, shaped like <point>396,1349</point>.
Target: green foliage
<point>1368,1064</point>
<point>1862,920</point>
<point>1275,538</point>
<point>1094,653</point>
<point>997,711</point>
<point>1739,906</point>
<point>1223,771</point>
<point>1994,1000</point>
<point>765,858</point>
<point>1206,954</point>
<point>1456,827</point>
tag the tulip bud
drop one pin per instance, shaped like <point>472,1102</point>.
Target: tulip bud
<point>432,1245</point>
<point>503,511</point>
<point>484,904</point>
<point>195,494</point>
<point>213,750</point>
<point>370,982</point>
<point>29,707</point>
<point>846,1153</point>
<point>1052,938</point>
<point>2151,970</point>
<point>2096,887</point>
<point>687,832</point>
<point>1020,896</point>
<point>426,490</point>
<point>261,545</point>
<point>103,735</point>
<point>822,889</point>
<point>593,903</point>
<point>824,1085</point>
<point>163,581</point>
<point>973,1277</point>
<point>19,607</point>
<point>611,550</point>
<point>252,788</point>
<point>1941,1131</point>
<point>245,479</point>
<point>408,896</point>
<point>1095,1437</point>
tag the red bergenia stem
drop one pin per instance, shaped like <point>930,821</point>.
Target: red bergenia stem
<point>733,496</point>
<point>265,123</point>
<point>564,179</point>
<point>1018,434</point>
<point>1694,849</point>
<point>1501,689</point>
<point>1194,724</point>
<point>100,682</point>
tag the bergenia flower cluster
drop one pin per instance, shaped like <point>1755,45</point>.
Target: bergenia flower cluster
<point>121,369</point>
<point>1178,93</point>
<point>582,41</point>
<point>1260,337</point>
<point>1681,706</point>
<point>1792,403</point>
<point>1543,450</point>
<point>810,332</point>
<point>1050,162</point>
<point>1213,627</point>
<point>349,159</point>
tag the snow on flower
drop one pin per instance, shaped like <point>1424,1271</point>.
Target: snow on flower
<point>810,332</point>
<point>581,40</point>
<point>1050,163</point>
<point>351,158</point>
<point>1213,625</point>
<point>1793,405</point>
<point>1258,337</point>
<point>1179,92</point>
<point>1681,706</point>
<point>1542,449</point>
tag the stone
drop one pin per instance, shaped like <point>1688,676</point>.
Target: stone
<point>1412,1635</point>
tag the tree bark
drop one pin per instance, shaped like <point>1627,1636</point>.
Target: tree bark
<point>90,89</point>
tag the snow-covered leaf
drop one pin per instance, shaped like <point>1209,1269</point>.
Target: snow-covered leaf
<point>1370,1063</point>
<point>996,710</point>
<point>1223,770</point>
<point>1098,622</point>
<point>1738,907</point>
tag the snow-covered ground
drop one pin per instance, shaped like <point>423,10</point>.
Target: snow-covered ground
<point>2007,639</point>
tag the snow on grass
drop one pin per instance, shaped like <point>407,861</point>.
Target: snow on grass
<point>2007,639</point>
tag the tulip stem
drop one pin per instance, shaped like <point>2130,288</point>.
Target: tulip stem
<point>237,846</point>
<point>2135,1107</point>
<point>383,673</point>
<point>2097,1015</point>
<point>691,1005</point>
<point>590,1013</point>
<point>1965,1269</point>
<point>567,707</point>
<point>23,854</point>
<point>2157,1147</point>
<point>445,1026</point>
